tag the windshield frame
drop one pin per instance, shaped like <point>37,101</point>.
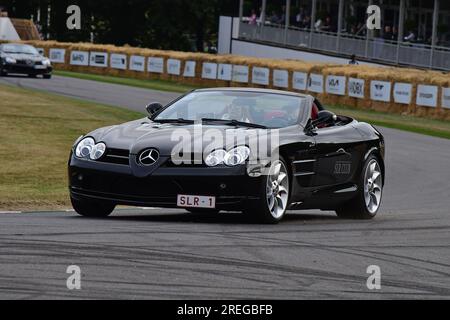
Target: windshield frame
<point>19,45</point>
<point>302,117</point>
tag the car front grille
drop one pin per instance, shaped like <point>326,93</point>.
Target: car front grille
<point>116,156</point>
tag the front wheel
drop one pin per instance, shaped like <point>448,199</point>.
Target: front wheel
<point>370,190</point>
<point>95,209</point>
<point>274,194</point>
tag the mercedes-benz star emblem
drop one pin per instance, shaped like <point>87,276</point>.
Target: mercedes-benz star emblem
<point>148,157</point>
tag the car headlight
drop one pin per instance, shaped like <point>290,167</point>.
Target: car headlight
<point>46,62</point>
<point>215,158</point>
<point>87,148</point>
<point>10,60</point>
<point>237,156</point>
<point>234,157</point>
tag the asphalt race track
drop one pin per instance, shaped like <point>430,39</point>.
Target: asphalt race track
<point>171,254</point>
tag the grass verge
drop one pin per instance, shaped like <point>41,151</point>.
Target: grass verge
<point>37,131</point>
<point>161,85</point>
<point>436,128</point>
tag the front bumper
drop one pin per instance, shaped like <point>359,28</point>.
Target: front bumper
<point>92,180</point>
<point>26,69</point>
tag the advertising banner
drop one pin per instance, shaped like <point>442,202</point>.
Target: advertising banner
<point>224,72</point>
<point>79,58</point>
<point>315,83</point>
<point>240,74</point>
<point>336,85</point>
<point>155,65</point>
<point>281,78</point>
<point>427,96</point>
<point>403,93</point>
<point>209,70</point>
<point>137,63</point>
<point>118,61</point>
<point>380,91</point>
<point>57,55</point>
<point>260,75</point>
<point>299,80</point>
<point>98,59</point>
<point>173,66</point>
<point>356,88</point>
<point>189,69</point>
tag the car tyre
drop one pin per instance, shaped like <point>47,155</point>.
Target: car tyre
<point>274,195</point>
<point>95,209</point>
<point>32,76</point>
<point>47,76</point>
<point>370,190</point>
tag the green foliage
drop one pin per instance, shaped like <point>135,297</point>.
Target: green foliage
<point>163,24</point>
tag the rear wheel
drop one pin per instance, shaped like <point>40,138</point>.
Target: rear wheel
<point>370,190</point>
<point>92,208</point>
<point>274,195</point>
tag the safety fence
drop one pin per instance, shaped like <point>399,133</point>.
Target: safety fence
<point>396,90</point>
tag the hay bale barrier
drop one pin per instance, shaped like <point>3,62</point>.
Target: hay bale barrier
<point>422,93</point>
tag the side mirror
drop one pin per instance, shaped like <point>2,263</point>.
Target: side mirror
<point>153,108</point>
<point>324,118</point>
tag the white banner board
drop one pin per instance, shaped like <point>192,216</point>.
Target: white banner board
<point>380,91</point>
<point>402,93</point>
<point>260,76</point>
<point>427,96</point>
<point>57,55</point>
<point>299,80</point>
<point>356,88</point>
<point>315,83</point>
<point>79,58</point>
<point>446,98</point>
<point>209,70</point>
<point>155,65</point>
<point>137,63</point>
<point>118,61</point>
<point>189,69</point>
<point>240,74</point>
<point>224,71</point>
<point>281,78</point>
<point>98,59</point>
<point>173,66</point>
<point>336,85</point>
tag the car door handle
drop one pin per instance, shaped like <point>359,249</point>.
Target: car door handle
<point>339,152</point>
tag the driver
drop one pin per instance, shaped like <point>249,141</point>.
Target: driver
<point>238,110</point>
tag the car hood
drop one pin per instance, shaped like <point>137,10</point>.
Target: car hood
<point>139,135</point>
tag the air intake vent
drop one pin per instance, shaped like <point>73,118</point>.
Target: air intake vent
<point>117,156</point>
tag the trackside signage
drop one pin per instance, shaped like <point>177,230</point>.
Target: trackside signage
<point>209,70</point>
<point>427,96</point>
<point>173,66</point>
<point>260,76</point>
<point>189,69</point>
<point>118,61</point>
<point>240,74</point>
<point>224,71</point>
<point>98,59</point>
<point>446,98</point>
<point>380,91</point>
<point>336,85</point>
<point>402,93</point>
<point>57,55</point>
<point>299,80</point>
<point>155,65</point>
<point>79,58</point>
<point>315,83</point>
<point>356,88</point>
<point>281,78</point>
<point>137,63</point>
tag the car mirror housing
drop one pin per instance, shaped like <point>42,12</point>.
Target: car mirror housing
<point>324,117</point>
<point>153,107</point>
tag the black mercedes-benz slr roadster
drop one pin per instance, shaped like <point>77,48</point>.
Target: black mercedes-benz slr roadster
<point>253,150</point>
